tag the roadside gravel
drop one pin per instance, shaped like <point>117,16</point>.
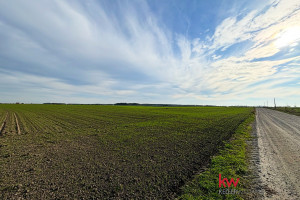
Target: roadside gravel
<point>279,151</point>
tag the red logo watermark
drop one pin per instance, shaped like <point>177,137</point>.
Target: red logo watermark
<point>222,182</point>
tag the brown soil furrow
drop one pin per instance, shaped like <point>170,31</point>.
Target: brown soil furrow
<point>3,124</point>
<point>17,124</point>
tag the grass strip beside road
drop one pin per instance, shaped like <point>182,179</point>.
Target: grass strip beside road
<point>230,163</point>
<point>289,110</point>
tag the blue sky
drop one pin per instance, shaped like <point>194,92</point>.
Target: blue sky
<point>160,51</point>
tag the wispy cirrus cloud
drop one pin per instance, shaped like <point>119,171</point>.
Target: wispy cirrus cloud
<point>237,71</point>
<point>106,52</point>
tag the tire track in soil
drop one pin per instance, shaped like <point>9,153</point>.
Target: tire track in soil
<point>3,124</point>
<point>10,124</point>
<point>17,124</point>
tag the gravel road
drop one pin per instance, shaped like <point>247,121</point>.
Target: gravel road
<point>279,153</point>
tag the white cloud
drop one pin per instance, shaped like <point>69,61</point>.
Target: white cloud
<point>232,31</point>
<point>230,77</point>
<point>260,26</point>
<point>79,48</point>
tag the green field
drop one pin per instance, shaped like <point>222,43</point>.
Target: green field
<point>108,152</point>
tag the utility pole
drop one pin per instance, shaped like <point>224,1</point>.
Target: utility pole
<point>274,103</point>
<point>267,103</point>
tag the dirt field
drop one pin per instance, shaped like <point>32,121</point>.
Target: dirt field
<point>108,152</point>
<point>279,150</point>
